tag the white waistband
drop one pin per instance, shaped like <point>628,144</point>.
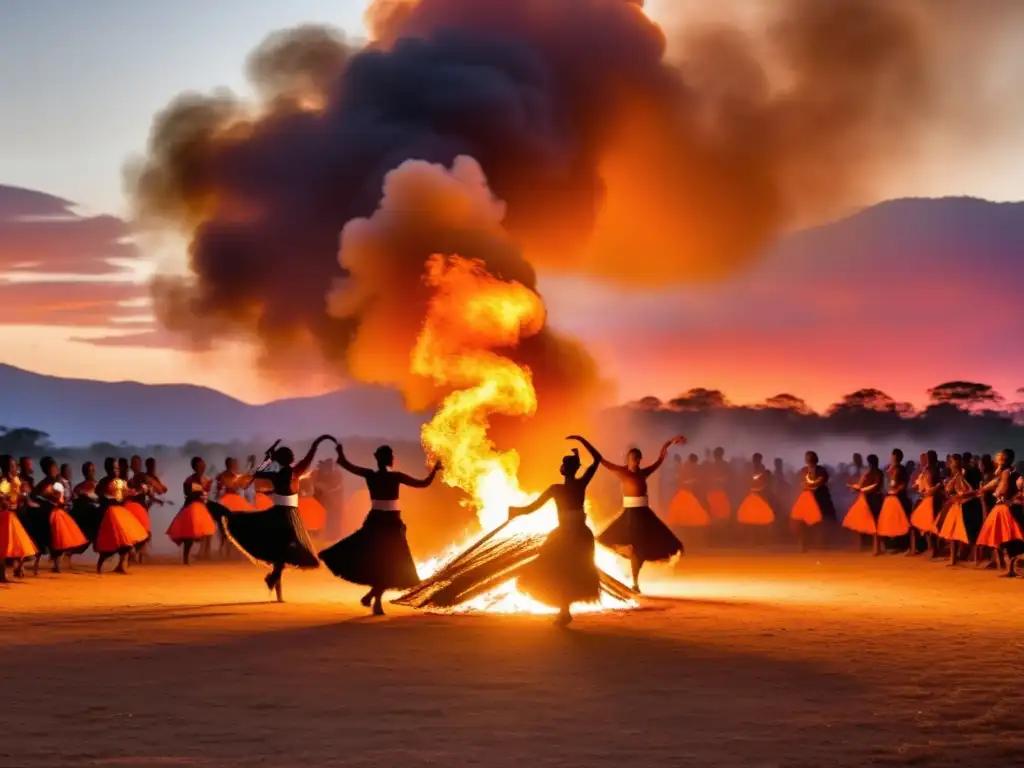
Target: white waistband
<point>630,502</point>
<point>286,501</point>
<point>384,505</point>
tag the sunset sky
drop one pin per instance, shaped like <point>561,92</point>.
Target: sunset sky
<point>83,81</point>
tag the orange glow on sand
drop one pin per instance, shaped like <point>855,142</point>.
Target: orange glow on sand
<point>470,315</point>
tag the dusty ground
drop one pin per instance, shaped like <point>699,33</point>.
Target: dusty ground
<point>753,661</point>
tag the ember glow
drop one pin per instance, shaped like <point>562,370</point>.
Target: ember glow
<point>470,315</point>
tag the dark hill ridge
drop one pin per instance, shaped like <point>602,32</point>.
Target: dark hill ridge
<point>81,411</point>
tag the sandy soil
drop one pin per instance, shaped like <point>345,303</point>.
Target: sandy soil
<point>841,660</point>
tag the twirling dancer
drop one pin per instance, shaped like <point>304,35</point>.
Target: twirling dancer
<point>194,523</point>
<point>377,555</point>
<point>962,517</point>
<point>62,534</point>
<point>637,533</point>
<point>862,517</point>
<point>894,519</point>
<point>756,510</point>
<point>924,520</point>
<point>686,509</point>
<point>718,476</point>
<point>1003,530</point>
<point>119,530</point>
<point>16,546</point>
<point>814,504</point>
<point>275,537</point>
<point>564,571</point>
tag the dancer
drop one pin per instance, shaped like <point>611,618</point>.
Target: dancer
<point>894,519</point>
<point>63,537</point>
<point>814,505</point>
<point>16,546</point>
<point>962,516</point>
<point>377,555</point>
<point>119,530</point>
<point>564,571</point>
<point>862,517</point>
<point>924,520</point>
<point>138,501</point>
<point>718,477</point>
<point>193,523</point>
<point>686,509</point>
<point>275,537</point>
<point>756,509</point>
<point>85,504</point>
<point>1003,530</point>
<point>637,533</point>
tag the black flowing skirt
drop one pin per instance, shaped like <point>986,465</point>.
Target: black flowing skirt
<point>377,555</point>
<point>36,521</point>
<point>638,532</point>
<point>564,571</point>
<point>275,536</point>
<point>88,515</point>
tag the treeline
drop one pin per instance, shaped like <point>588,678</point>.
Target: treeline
<point>967,415</point>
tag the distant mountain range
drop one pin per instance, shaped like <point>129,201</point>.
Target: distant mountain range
<point>82,412</point>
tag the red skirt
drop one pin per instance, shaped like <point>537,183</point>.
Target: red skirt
<point>15,543</point>
<point>313,514</point>
<point>141,514</point>
<point>262,502</point>
<point>193,522</point>
<point>755,510</point>
<point>923,517</point>
<point>1002,526</point>
<point>119,530</point>
<point>719,506</point>
<point>807,510</point>
<point>233,502</point>
<point>893,520</point>
<point>686,511</point>
<point>65,535</point>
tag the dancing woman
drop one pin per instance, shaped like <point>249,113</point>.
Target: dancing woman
<point>862,516</point>
<point>1003,529</point>
<point>637,533</point>
<point>228,487</point>
<point>756,510</point>
<point>193,523</point>
<point>377,555</point>
<point>62,534</point>
<point>814,504</point>
<point>686,509</point>
<point>564,571</point>
<point>894,519</point>
<point>925,517</point>
<point>120,532</point>
<point>16,545</point>
<point>275,536</point>
<point>85,503</point>
<point>962,516</point>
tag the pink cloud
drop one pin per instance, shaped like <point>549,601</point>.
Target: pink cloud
<point>68,303</point>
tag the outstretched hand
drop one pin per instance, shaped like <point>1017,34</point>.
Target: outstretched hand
<point>677,440</point>
<point>438,467</point>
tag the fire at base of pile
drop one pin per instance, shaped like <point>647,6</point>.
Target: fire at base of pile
<point>482,578</point>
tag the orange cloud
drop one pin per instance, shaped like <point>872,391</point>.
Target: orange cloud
<point>69,303</point>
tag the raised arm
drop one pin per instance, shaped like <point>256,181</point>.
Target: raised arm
<point>652,468</point>
<point>302,465</point>
<point>348,466</point>
<point>534,505</point>
<point>414,482</point>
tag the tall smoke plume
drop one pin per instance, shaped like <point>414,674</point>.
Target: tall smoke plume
<point>612,153</point>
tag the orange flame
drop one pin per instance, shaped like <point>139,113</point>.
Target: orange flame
<point>471,315</point>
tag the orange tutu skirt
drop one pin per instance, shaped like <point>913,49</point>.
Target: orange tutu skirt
<point>806,510</point>
<point>263,502</point>
<point>923,517</point>
<point>755,511</point>
<point>141,514</point>
<point>15,543</point>
<point>65,535</point>
<point>313,514</point>
<point>233,502</point>
<point>194,521</point>
<point>893,520</point>
<point>860,518</point>
<point>119,530</point>
<point>1001,527</point>
<point>953,527</point>
<point>719,506</point>
<point>686,511</point>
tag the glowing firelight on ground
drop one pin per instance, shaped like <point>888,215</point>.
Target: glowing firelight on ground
<point>472,313</point>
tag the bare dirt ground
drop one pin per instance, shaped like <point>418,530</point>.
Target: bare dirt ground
<point>748,660</point>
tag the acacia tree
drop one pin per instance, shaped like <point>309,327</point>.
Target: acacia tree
<point>700,399</point>
<point>788,402</point>
<point>966,395</point>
